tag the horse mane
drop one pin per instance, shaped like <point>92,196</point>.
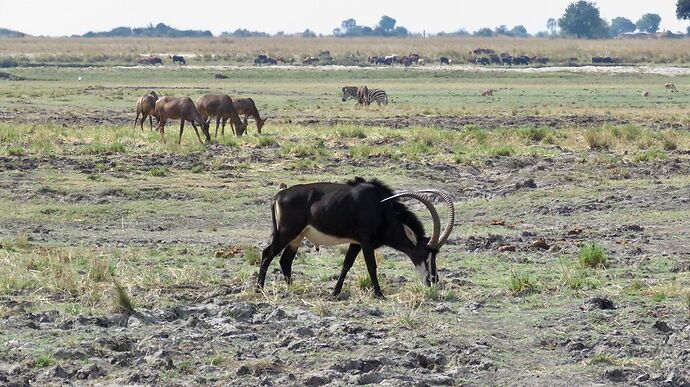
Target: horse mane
<point>401,211</point>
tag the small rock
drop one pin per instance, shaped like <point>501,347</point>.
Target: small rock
<point>371,378</point>
<point>617,374</point>
<point>343,296</point>
<point>243,312</point>
<point>60,372</point>
<point>90,372</point>
<point>440,380</point>
<point>243,370</point>
<point>662,326</point>
<point>599,303</point>
<point>316,380</point>
<point>642,378</point>
<point>304,332</point>
<point>276,315</point>
<point>297,344</point>
<point>540,244</point>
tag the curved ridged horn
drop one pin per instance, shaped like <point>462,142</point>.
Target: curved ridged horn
<point>433,242</point>
<point>451,214</point>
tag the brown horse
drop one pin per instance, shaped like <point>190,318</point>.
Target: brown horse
<point>181,108</point>
<point>146,106</point>
<point>246,107</point>
<point>221,107</point>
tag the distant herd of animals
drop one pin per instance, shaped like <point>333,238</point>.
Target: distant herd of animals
<point>478,56</point>
<point>221,107</point>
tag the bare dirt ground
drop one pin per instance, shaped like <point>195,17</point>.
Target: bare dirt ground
<point>227,334</point>
<point>112,117</point>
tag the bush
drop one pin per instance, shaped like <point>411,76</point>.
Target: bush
<point>534,134</point>
<point>521,283</point>
<point>100,149</point>
<point>592,255</point>
<point>598,140</point>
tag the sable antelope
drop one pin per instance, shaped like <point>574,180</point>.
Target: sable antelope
<point>246,107</point>
<point>671,86</point>
<point>445,61</point>
<point>178,59</point>
<point>181,108</point>
<point>488,93</point>
<point>220,107</point>
<point>365,214</point>
<point>146,106</point>
<point>375,95</point>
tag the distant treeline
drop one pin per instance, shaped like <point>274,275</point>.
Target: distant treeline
<point>160,30</point>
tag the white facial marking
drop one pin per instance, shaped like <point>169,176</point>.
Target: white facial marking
<point>423,272</point>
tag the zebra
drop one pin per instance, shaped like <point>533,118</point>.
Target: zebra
<point>375,95</point>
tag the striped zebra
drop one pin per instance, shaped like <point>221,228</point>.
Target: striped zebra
<point>375,95</point>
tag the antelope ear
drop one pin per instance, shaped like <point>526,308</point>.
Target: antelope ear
<point>410,234</point>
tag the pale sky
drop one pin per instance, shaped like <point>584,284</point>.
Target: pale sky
<point>67,17</point>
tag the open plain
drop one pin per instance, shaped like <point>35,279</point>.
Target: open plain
<point>127,261</point>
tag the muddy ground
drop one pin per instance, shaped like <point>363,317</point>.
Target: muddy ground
<point>227,334</point>
<point>123,118</point>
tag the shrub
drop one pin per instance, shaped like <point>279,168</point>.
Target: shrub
<point>651,155</point>
<point>352,133</point>
<point>534,134</point>
<point>501,150</point>
<point>598,140</point>
<point>521,283</point>
<point>252,256</point>
<point>159,171</point>
<point>592,255</point>
<point>265,142</point>
<point>15,151</point>
<point>199,168</point>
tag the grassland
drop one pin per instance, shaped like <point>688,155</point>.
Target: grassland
<point>344,51</point>
<point>124,260</point>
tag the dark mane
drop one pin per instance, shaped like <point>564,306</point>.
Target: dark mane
<point>401,210</point>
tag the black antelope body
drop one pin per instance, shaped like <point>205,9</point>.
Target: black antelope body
<point>364,214</point>
<point>375,95</point>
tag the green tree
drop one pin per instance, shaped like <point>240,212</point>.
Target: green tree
<point>387,24</point>
<point>649,22</point>
<point>519,31</point>
<point>486,31</point>
<point>683,9</point>
<point>551,25</point>
<point>621,25</point>
<point>583,20</point>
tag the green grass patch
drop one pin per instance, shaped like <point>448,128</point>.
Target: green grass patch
<point>520,283</point>
<point>651,155</point>
<point>592,255</point>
